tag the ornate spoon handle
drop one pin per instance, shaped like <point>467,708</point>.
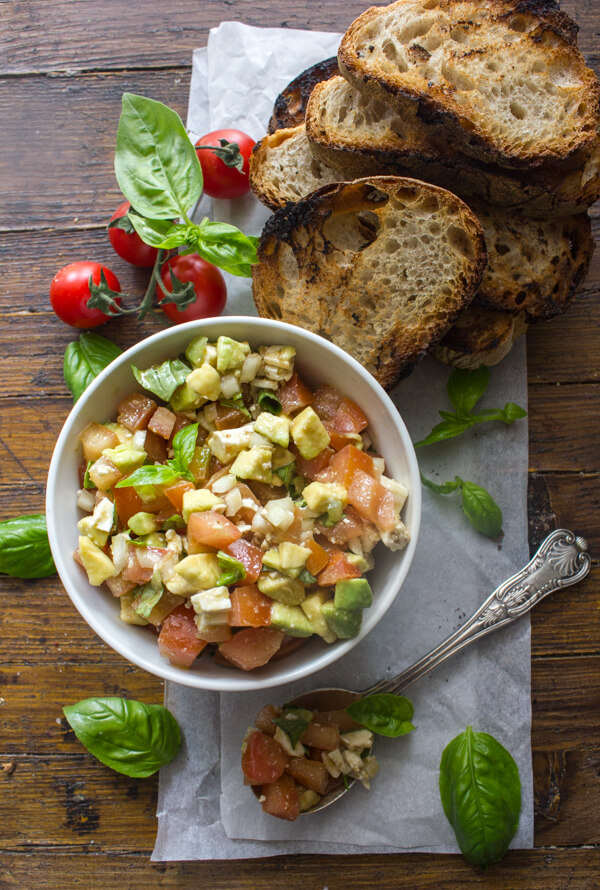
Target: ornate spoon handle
<point>561,560</point>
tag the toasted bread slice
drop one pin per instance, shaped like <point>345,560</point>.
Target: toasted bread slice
<point>501,80</point>
<point>290,104</point>
<point>480,337</point>
<point>349,129</point>
<point>381,266</point>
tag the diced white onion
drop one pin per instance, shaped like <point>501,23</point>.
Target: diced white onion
<point>86,500</point>
<point>229,386</point>
<point>250,367</point>
<point>224,483</point>
<point>118,549</point>
<point>139,439</point>
<point>233,501</point>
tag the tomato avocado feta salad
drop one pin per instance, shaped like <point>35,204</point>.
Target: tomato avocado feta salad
<point>236,512</point>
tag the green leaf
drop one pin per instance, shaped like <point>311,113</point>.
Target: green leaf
<point>159,232</point>
<point>164,379</point>
<point>444,488</point>
<point>447,429</point>
<point>24,547</point>
<point>238,403</point>
<point>513,412</point>
<point>268,402</point>
<point>156,165</point>
<point>480,790</point>
<point>481,509</point>
<point>286,473</point>
<point>306,578</point>
<point>152,474</point>
<point>465,388</point>
<point>148,598</point>
<point>84,359</point>
<point>184,445</point>
<point>175,521</point>
<point>224,246</point>
<point>384,714</point>
<point>87,482</point>
<point>128,736</point>
<point>122,222</point>
<point>293,726</point>
<point>233,570</point>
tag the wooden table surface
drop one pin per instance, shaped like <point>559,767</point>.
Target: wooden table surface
<point>65,819</point>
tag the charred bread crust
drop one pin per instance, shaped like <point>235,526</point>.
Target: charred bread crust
<point>290,104</point>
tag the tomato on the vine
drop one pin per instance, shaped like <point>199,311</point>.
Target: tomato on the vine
<point>209,287</point>
<point>126,241</point>
<point>69,293</point>
<point>221,181</point>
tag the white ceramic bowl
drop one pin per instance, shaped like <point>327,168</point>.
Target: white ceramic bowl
<point>318,361</point>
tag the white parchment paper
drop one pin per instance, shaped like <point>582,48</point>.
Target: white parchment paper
<point>204,810</point>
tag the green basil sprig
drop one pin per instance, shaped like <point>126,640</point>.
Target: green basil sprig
<point>163,379</point>
<point>384,714</point>
<point>128,736</point>
<point>465,388</point>
<point>24,547</point>
<point>268,402</point>
<point>232,569</point>
<point>479,506</point>
<point>480,790</point>
<point>84,359</point>
<point>293,726</point>
<point>184,446</point>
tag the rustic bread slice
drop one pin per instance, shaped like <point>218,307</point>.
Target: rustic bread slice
<point>501,80</point>
<point>480,336</point>
<point>290,104</point>
<point>381,266</point>
<point>349,129</point>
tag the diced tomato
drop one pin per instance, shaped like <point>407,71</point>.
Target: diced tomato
<point>119,585</point>
<point>340,719</point>
<point>317,735</point>
<point>178,640</point>
<point>251,558</point>
<point>228,418</point>
<point>346,462</point>
<point>251,648</point>
<point>289,645</point>
<point>181,420</point>
<point>348,418</point>
<point>162,422</point>
<point>136,572</point>
<point>249,607</point>
<point>349,527</point>
<point>282,799</point>
<point>337,441</point>
<point>155,447</point>
<point>339,568</point>
<point>220,633</point>
<point>309,773</point>
<point>176,492</point>
<point>318,558</point>
<point>128,503</point>
<point>326,401</point>
<point>264,492</point>
<point>264,719</point>
<point>372,500</point>
<point>201,465</point>
<point>294,394</point>
<point>311,468</point>
<point>263,759</point>
<point>135,411</point>
<point>95,438</point>
<point>212,529</point>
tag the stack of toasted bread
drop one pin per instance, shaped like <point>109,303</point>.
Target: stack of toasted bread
<point>490,100</point>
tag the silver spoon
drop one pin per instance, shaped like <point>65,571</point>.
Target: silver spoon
<point>561,560</point>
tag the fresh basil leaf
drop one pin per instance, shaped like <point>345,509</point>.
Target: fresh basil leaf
<point>286,473</point>
<point>268,402</point>
<point>444,488</point>
<point>84,359</point>
<point>122,222</point>
<point>128,736</point>
<point>184,446</point>
<point>447,429</point>
<point>87,482</point>
<point>151,474</point>
<point>306,578</point>
<point>164,379</point>
<point>156,165</point>
<point>293,726</point>
<point>513,412</point>
<point>24,547</point>
<point>224,246</point>
<point>236,402</point>
<point>176,521</point>
<point>480,790</point>
<point>384,714</point>
<point>481,509</point>
<point>159,232</point>
<point>465,388</point>
<point>147,598</point>
<point>233,570</point>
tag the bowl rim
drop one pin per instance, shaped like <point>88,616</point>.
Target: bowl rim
<point>240,681</point>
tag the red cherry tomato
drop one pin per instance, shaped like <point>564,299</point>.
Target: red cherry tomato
<point>69,293</point>
<point>129,245</point>
<point>209,286</point>
<point>221,181</point>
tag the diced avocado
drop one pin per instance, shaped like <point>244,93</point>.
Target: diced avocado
<point>96,563</point>
<point>276,429</point>
<point>99,525</point>
<point>283,458</point>
<point>309,434</point>
<point>255,463</point>
<point>293,558</point>
<point>185,398</point>
<point>363,563</point>
<point>343,622</point>
<point>230,354</point>
<point>291,620</point>
<point>143,523</point>
<point>205,381</point>
<point>128,613</point>
<point>201,571</point>
<point>322,496</point>
<point>279,587</point>
<point>196,351</point>
<point>126,458</point>
<point>312,608</point>
<point>198,501</point>
<point>86,527</point>
<point>308,799</point>
<point>272,559</point>
<point>122,433</point>
<point>354,593</point>
<point>154,539</point>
